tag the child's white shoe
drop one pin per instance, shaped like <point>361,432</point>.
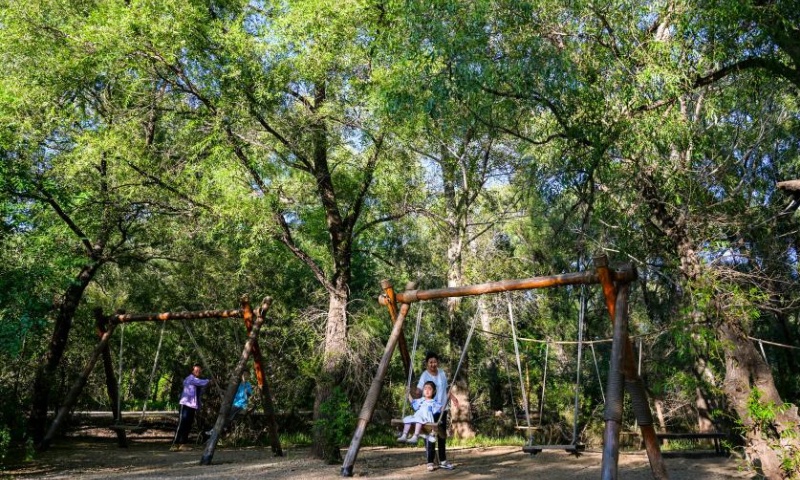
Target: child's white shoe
<point>413,439</point>
<point>401,438</point>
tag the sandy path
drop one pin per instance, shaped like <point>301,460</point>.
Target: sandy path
<point>93,459</point>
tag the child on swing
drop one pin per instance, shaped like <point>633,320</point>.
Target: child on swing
<point>425,408</point>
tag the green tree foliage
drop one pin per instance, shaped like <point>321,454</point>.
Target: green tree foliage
<point>172,155</point>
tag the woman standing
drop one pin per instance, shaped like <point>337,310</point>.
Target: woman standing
<point>433,374</point>
<point>190,403</point>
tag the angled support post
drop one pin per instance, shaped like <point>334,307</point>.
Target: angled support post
<point>101,321</point>
<point>261,380</point>
<point>72,396</point>
<point>391,304</point>
<point>629,373</point>
<point>233,383</point>
<point>375,389</point>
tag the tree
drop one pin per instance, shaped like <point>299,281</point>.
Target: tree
<point>286,91</point>
<point>68,160</point>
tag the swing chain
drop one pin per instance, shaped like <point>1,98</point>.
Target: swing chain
<point>411,364</point>
<point>519,369</point>
<point>119,376</point>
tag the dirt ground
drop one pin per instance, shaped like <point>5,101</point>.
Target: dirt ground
<point>150,458</point>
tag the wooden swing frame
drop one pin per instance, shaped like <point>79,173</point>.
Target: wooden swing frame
<point>105,328</point>
<point>622,368</point>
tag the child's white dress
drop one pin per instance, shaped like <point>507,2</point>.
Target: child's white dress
<point>424,411</point>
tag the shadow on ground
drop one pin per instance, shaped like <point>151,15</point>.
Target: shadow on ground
<point>101,459</point>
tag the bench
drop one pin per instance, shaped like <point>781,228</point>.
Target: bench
<point>715,436</point>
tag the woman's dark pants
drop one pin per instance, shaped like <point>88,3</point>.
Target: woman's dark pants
<point>184,424</point>
<point>430,447</point>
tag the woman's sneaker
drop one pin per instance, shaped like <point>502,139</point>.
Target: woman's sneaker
<point>446,465</point>
<point>431,467</point>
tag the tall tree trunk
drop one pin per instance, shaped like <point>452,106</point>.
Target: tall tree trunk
<point>45,373</point>
<point>456,208</point>
<point>332,373</point>
<point>745,371</point>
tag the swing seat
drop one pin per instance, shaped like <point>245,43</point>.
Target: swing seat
<point>428,428</point>
<point>134,429</point>
<point>571,449</point>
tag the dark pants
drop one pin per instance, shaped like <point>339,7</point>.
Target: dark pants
<point>235,411</point>
<point>184,424</point>
<point>430,447</point>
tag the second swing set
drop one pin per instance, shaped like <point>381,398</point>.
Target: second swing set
<point>622,375</point>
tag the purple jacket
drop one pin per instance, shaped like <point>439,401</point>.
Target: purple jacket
<point>192,388</point>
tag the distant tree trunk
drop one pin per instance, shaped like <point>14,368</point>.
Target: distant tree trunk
<point>704,377</point>
<point>704,423</point>
<point>496,389</point>
<point>461,417</point>
<point>45,373</point>
<point>662,423</point>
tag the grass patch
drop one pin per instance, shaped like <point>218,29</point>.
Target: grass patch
<point>297,439</point>
<point>388,438</point>
<point>484,441</point>
<point>682,445</point>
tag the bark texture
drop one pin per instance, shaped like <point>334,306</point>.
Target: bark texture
<point>46,371</point>
<point>746,373</point>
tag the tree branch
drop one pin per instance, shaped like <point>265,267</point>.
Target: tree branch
<point>285,235</point>
<point>369,171</point>
<point>773,66</point>
<point>166,186</point>
<point>66,219</point>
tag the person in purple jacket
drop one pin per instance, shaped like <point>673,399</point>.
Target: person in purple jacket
<point>190,403</point>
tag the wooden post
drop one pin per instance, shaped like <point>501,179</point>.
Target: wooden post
<point>614,389</point>
<point>77,387</point>
<point>391,304</point>
<point>261,380</point>
<point>233,384</point>
<point>374,391</point>
<point>101,321</point>
<point>633,382</point>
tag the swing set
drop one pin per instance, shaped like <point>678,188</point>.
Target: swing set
<point>105,328</point>
<point>622,366</point>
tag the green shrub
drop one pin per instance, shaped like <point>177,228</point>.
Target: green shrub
<point>5,444</point>
<point>336,423</point>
